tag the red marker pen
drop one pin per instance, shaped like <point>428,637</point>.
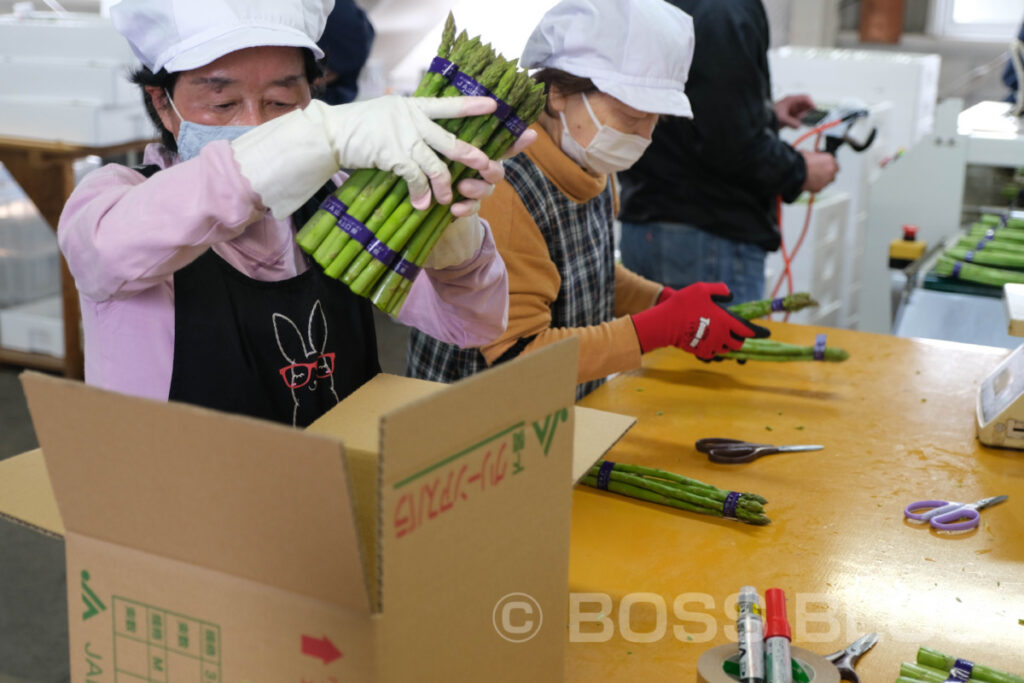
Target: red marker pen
<point>778,667</point>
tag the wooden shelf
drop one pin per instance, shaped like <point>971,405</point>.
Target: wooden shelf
<point>45,171</point>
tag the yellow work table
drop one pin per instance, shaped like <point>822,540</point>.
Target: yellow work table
<point>897,422</point>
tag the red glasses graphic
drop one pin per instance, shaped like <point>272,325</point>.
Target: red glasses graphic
<point>298,375</point>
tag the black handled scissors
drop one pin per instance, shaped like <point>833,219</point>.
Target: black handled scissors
<point>846,659</point>
<point>735,451</point>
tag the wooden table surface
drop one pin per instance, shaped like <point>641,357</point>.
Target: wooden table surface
<point>897,422</point>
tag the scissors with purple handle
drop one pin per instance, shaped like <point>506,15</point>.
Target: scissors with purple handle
<point>735,451</point>
<point>945,515</point>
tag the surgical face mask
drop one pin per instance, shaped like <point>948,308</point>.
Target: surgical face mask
<point>192,137</point>
<point>610,150</point>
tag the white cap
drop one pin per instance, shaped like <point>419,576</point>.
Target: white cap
<point>179,35</point>
<point>638,51</point>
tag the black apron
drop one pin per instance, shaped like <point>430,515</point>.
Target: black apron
<point>286,351</point>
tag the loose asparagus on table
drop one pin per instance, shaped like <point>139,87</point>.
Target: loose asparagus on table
<point>776,351</point>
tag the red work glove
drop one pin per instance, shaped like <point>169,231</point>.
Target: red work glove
<point>692,320</point>
<point>665,294</point>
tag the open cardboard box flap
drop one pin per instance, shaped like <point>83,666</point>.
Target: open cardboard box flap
<point>409,503</point>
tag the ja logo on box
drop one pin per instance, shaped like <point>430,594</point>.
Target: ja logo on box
<point>93,604</point>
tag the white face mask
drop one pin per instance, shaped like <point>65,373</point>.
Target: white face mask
<point>610,150</point>
<point>192,137</point>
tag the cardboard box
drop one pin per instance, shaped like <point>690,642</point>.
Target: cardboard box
<point>416,532</point>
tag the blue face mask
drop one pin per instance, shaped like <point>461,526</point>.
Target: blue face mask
<point>192,137</point>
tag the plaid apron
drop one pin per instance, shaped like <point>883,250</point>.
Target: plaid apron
<point>580,244</point>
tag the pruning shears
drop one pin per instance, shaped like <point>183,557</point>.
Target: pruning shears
<point>846,123</point>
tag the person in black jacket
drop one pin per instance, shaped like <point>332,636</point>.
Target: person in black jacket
<point>346,42</point>
<point>700,205</point>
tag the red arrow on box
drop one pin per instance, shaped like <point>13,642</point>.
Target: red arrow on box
<point>321,648</point>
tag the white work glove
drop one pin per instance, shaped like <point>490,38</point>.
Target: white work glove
<point>463,237</point>
<point>288,159</point>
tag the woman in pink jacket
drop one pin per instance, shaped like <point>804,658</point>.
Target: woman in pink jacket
<point>191,285</point>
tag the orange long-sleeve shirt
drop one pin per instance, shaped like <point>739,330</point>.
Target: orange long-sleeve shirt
<point>534,280</point>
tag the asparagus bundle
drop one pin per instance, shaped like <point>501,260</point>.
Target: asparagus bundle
<point>771,350</point>
<point>675,490</point>
<point>367,234</point>
<point>1004,246</point>
<point>1003,258</point>
<point>970,272</point>
<point>988,232</point>
<point>933,666</point>
<point>759,309</point>
<point>994,220</point>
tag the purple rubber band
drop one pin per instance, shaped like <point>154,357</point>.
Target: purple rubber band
<point>1004,219</point>
<point>440,65</point>
<point>333,206</point>
<point>470,87</point>
<point>961,671</point>
<point>467,85</point>
<point>956,268</point>
<point>990,234</point>
<point>778,304</point>
<point>503,111</point>
<point>356,230</point>
<point>730,503</point>
<point>515,125</point>
<point>604,475</point>
<point>381,251</point>
<point>969,256</point>
<point>406,269</point>
<point>981,244</point>
<point>819,347</point>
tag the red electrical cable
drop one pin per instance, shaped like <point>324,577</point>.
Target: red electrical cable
<point>787,258</point>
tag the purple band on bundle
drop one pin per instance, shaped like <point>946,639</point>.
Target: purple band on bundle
<point>503,111</point>
<point>440,65</point>
<point>956,268</point>
<point>381,251</point>
<point>990,234</point>
<point>333,206</point>
<point>981,245</point>
<point>468,86</point>
<point>969,256</point>
<point>406,269</point>
<point>1004,219</point>
<point>819,347</point>
<point>961,671</point>
<point>515,125</point>
<point>729,504</point>
<point>604,475</point>
<point>356,230</point>
<point>778,304</point>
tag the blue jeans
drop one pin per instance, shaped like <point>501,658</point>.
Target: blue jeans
<point>677,255</point>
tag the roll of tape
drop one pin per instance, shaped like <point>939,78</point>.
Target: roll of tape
<point>709,666</point>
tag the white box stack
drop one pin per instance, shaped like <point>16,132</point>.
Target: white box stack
<point>35,327</point>
<point>899,90</point>
<point>910,82</point>
<point>65,79</point>
<point>30,306</point>
<point>818,266</point>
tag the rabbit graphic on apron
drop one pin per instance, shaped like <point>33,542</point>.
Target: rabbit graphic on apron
<point>286,351</point>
